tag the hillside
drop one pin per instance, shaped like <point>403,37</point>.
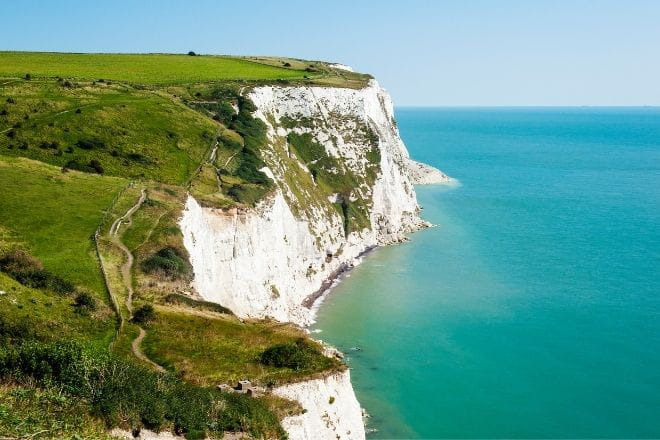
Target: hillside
<point>166,217</point>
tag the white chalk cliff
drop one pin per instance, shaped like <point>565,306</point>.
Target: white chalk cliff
<point>331,410</point>
<point>275,260</point>
<point>266,261</point>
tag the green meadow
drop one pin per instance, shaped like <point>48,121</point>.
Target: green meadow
<point>139,68</point>
<point>53,215</point>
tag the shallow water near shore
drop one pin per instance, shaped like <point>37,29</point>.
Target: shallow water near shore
<point>533,309</point>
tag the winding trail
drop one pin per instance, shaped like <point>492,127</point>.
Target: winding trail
<point>135,347</point>
<point>127,279</point>
<point>128,264</point>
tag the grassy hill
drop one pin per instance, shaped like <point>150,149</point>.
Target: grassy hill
<point>97,155</point>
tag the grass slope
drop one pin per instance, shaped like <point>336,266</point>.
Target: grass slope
<point>209,348</point>
<point>129,132</point>
<point>139,68</point>
<point>27,314</point>
<point>54,215</point>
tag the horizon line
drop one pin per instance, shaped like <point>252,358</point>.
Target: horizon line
<point>468,106</point>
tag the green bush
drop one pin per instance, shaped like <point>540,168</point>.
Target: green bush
<point>299,355</point>
<point>90,144</point>
<point>94,166</point>
<point>144,314</point>
<point>84,303</point>
<point>246,194</point>
<point>248,169</point>
<point>170,262</point>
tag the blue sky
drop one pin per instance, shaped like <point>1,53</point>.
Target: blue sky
<point>469,52</point>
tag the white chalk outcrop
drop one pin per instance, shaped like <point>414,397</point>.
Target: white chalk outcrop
<point>332,411</point>
<point>276,259</point>
<point>423,174</point>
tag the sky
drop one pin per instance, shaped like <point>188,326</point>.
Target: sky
<point>431,53</point>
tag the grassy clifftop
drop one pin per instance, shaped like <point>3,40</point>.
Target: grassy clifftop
<point>97,154</point>
<point>171,69</point>
<point>139,68</point>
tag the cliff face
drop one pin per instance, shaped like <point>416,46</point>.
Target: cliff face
<point>273,260</point>
<point>332,413</point>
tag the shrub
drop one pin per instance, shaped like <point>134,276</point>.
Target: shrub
<point>4,112</point>
<point>84,303</point>
<point>90,144</point>
<point>287,64</point>
<point>299,355</point>
<point>249,169</point>
<point>224,112</point>
<point>10,100</point>
<point>168,261</point>
<point>94,166</point>
<point>192,54</point>
<point>144,314</point>
<point>246,194</point>
<point>28,77</point>
<point>138,157</point>
<point>11,134</point>
<point>54,145</point>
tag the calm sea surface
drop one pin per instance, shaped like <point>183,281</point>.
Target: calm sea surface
<point>533,309</point>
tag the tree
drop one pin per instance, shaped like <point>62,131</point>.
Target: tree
<point>192,54</point>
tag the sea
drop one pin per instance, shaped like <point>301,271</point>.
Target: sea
<point>532,308</point>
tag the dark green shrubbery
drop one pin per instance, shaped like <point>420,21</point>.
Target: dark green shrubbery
<point>299,355</point>
<point>253,132</point>
<point>144,314</point>
<point>125,394</point>
<point>29,271</point>
<point>90,144</point>
<point>54,145</point>
<point>170,262</point>
<point>84,303</point>
<point>245,194</point>
<point>94,166</point>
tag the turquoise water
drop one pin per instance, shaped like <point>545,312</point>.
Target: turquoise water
<point>533,310</point>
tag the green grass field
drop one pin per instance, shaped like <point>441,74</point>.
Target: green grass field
<point>54,215</point>
<point>139,68</point>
